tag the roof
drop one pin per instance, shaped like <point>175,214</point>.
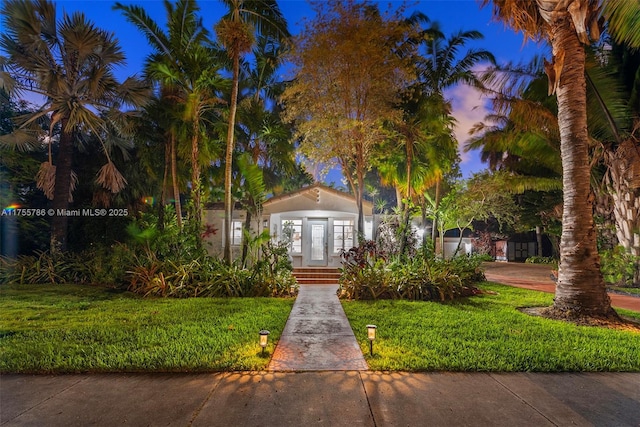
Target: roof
<point>313,187</point>
<point>307,198</point>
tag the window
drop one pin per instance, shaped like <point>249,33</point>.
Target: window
<point>236,233</point>
<point>292,234</point>
<point>342,234</point>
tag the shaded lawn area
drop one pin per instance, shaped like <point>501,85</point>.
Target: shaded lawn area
<point>487,333</point>
<point>70,328</point>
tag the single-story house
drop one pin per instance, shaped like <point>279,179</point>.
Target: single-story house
<point>317,221</point>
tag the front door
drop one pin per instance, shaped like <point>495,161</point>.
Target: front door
<point>318,244</point>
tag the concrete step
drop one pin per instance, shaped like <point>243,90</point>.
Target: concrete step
<point>309,275</point>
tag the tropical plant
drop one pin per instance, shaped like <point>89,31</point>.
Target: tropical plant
<point>237,32</point>
<point>580,289</point>
<point>367,274</point>
<point>184,62</point>
<point>70,63</point>
<point>442,68</point>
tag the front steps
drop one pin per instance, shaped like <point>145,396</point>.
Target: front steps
<point>317,275</point>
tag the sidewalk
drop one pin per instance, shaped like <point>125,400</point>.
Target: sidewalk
<point>322,398</point>
<point>537,277</point>
<point>318,376</point>
<point>317,336</point>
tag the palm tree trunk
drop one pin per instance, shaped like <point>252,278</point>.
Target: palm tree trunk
<point>195,175</point>
<point>165,185</point>
<point>398,197</point>
<point>580,289</point>
<point>174,179</point>
<point>245,242</point>
<point>229,157</point>
<point>625,194</point>
<point>61,194</point>
<point>539,240</point>
<point>434,229</point>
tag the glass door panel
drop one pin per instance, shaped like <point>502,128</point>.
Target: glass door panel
<point>318,252</point>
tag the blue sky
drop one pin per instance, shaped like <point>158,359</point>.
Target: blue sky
<point>453,15</point>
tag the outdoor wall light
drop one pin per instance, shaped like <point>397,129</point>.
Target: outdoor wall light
<point>264,336</point>
<point>371,334</point>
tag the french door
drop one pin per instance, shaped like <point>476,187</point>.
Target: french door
<point>318,247</point>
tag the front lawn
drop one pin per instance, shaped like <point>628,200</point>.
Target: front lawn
<point>69,328</point>
<point>487,333</point>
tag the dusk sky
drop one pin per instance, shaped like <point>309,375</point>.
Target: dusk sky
<point>453,15</point>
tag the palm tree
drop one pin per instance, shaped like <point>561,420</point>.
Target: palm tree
<point>441,68</point>
<point>612,78</point>
<point>69,62</point>
<point>263,134</point>
<point>236,32</point>
<point>567,26</point>
<point>183,61</point>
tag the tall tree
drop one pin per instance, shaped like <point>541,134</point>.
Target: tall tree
<point>184,62</point>
<point>237,32</point>
<point>442,68</point>
<point>69,62</point>
<point>349,78</point>
<point>567,26</point>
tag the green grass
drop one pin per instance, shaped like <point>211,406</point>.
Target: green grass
<point>68,328</point>
<point>487,333</point>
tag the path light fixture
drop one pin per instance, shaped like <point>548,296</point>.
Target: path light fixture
<point>292,289</point>
<point>264,336</point>
<point>371,334</point>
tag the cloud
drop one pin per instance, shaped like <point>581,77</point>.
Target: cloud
<point>469,108</point>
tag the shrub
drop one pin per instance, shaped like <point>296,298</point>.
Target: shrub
<point>44,268</point>
<point>541,260</point>
<point>166,262</point>
<point>367,275</point>
<point>618,266</point>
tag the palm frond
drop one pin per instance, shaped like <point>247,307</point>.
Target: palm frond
<point>46,179</point>
<point>110,178</point>
<point>623,18</point>
<point>22,140</point>
<point>519,184</point>
<point>147,26</point>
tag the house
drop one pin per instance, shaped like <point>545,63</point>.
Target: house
<point>317,221</point>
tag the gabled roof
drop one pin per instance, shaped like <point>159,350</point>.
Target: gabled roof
<point>316,198</point>
<point>310,190</point>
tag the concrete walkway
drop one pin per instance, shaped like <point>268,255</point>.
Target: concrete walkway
<point>317,336</point>
<point>354,398</point>
<point>537,277</point>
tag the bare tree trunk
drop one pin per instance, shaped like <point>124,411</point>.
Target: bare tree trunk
<point>228,202</point>
<point>195,176</point>
<point>580,289</point>
<point>174,179</point>
<point>434,230</point>
<point>165,185</point>
<point>359,196</point>
<point>245,243</point>
<point>61,194</point>
<point>398,197</point>
<point>539,240</point>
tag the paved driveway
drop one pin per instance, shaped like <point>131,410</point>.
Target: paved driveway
<point>538,277</point>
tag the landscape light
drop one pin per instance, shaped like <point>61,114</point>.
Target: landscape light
<point>264,335</point>
<point>371,334</point>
